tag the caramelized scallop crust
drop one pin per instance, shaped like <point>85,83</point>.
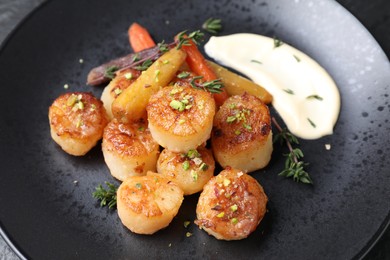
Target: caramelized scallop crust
<point>77,121</point>
<point>242,136</point>
<point>129,149</point>
<point>181,117</point>
<point>231,205</point>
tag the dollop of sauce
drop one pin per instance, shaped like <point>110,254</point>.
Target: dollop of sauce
<point>304,94</point>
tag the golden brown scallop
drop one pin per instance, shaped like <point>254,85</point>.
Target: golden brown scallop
<point>148,203</point>
<point>242,136</point>
<point>191,170</point>
<point>77,121</point>
<point>181,117</point>
<point>129,149</point>
<point>231,205</point>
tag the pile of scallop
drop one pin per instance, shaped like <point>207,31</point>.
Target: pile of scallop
<point>162,137</point>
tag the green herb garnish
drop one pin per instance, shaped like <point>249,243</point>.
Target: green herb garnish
<point>277,42</point>
<point>315,97</point>
<point>256,61</point>
<point>311,123</point>
<point>195,36</point>
<point>289,91</point>
<point>212,25</point>
<point>183,75</point>
<point>163,47</point>
<point>110,72</point>
<point>106,196</point>
<point>213,86</point>
<point>145,65</point>
<point>294,166</point>
<point>297,58</point>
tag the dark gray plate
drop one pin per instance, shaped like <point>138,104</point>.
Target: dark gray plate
<point>47,210</point>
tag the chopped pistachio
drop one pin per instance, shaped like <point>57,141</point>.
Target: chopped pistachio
<point>237,132</point>
<point>175,104</point>
<point>203,167</point>
<point>231,119</point>
<point>181,121</point>
<point>80,105</point>
<point>234,220</point>
<point>194,175</point>
<point>226,182</point>
<point>186,165</point>
<point>128,75</point>
<point>72,99</point>
<point>247,126</point>
<point>221,215</point>
<point>188,234</point>
<point>156,73</point>
<point>187,223</point>
<point>234,207</point>
<point>138,185</point>
<point>193,153</point>
<point>117,91</point>
<point>197,161</point>
<point>79,123</point>
<point>93,107</point>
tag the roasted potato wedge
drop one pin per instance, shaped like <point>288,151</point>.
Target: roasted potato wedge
<point>237,85</point>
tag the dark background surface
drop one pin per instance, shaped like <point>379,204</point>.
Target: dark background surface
<point>373,14</point>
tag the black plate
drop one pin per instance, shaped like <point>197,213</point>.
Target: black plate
<point>47,210</point>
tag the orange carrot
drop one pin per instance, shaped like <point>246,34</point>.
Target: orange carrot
<point>199,66</point>
<point>139,38</point>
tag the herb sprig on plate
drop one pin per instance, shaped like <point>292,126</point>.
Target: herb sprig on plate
<point>107,196</point>
<point>294,166</point>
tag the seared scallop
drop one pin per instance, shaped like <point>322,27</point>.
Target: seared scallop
<point>122,80</point>
<point>191,170</point>
<point>231,205</point>
<point>181,117</point>
<point>242,136</point>
<point>129,149</point>
<point>77,121</point>
<point>148,203</point>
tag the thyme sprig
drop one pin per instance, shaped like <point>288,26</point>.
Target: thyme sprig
<point>213,86</point>
<point>110,72</point>
<point>212,25</point>
<point>294,166</point>
<point>144,66</point>
<point>106,196</point>
<point>184,39</point>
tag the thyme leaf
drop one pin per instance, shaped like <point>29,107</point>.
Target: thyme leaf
<point>315,97</point>
<point>277,42</point>
<point>256,61</point>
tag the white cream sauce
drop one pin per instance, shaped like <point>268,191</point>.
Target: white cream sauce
<point>304,94</point>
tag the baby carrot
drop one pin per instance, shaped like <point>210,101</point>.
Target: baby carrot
<point>139,38</point>
<point>199,66</point>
